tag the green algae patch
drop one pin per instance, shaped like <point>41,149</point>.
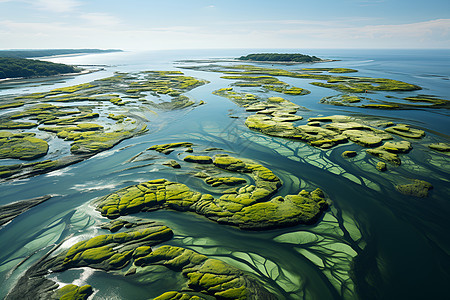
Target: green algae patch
<point>50,114</point>
<point>173,164</point>
<point>181,296</point>
<point>167,148</point>
<point>73,292</point>
<point>90,138</point>
<point>330,70</point>
<point>95,142</point>
<point>25,170</point>
<point>340,130</point>
<point>12,105</point>
<point>115,225</point>
<point>361,84</point>
<point>397,147</point>
<point>389,151</point>
<point>111,251</point>
<point>348,154</point>
<point>118,118</point>
<point>419,188</point>
<point>218,181</point>
<point>70,122</point>
<point>206,278</point>
<point>21,146</point>
<point>240,99</point>
<point>363,138</point>
<point>427,99</point>
<point>290,210</point>
<point>248,207</point>
<point>200,159</point>
<point>211,277</point>
<point>72,89</point>
<point>406,131</point>
<point>351,84</point>
<point>441,147</point>
<point>70,132</point>
<point>358,98</point>
<point>267,82</point>
<point>381,166</point>
<point>118,224</point>
<point>354,88</point>
<point>381,106</point>
<point>8,124</point>
<point>166,83</point>
<point>117,101</point>
<point>386,156</point>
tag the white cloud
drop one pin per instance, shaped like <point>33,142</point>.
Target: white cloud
<point>57,6</point>
<point>100,19</point>
<point>412,33</point>
<point>439,27</point>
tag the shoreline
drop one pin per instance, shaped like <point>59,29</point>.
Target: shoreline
<point>70,55</point>
<point>83,72</point>
<point>288,62</point>
<point>252,61</point>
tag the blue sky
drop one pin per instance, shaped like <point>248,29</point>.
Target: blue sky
<point>191,24</point>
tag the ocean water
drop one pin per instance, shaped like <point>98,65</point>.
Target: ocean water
<point>373,242</point>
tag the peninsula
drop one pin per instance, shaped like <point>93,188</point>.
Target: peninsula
<point>25,68</point>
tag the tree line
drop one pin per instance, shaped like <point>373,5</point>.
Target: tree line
<point>21,67</point>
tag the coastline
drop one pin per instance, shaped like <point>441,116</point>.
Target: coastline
<point>253,61</point>
<point>288,62</point>
<point>82,72</point>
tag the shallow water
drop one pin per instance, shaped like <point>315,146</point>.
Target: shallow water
<point>373,242</point>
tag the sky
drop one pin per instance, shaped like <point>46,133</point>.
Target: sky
<point>216,24</point>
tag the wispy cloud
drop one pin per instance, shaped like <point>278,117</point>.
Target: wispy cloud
<point>439,26</point>
<point>429,29</point>
<point>101,19</point>
<point>57,6</point>
<point>340,22</point>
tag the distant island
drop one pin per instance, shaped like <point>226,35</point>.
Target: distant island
<point>29,53</point>
<point>22,67</point>
<point>281,57</point>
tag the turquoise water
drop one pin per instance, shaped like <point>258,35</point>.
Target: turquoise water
<point>373,242</point>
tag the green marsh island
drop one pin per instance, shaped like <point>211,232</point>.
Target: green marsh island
<point>281,58</point>
<point>224,179</point>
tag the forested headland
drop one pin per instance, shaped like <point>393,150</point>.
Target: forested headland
<point>22,67</point>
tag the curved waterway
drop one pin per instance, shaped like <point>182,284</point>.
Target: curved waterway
<point>373,242</point>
